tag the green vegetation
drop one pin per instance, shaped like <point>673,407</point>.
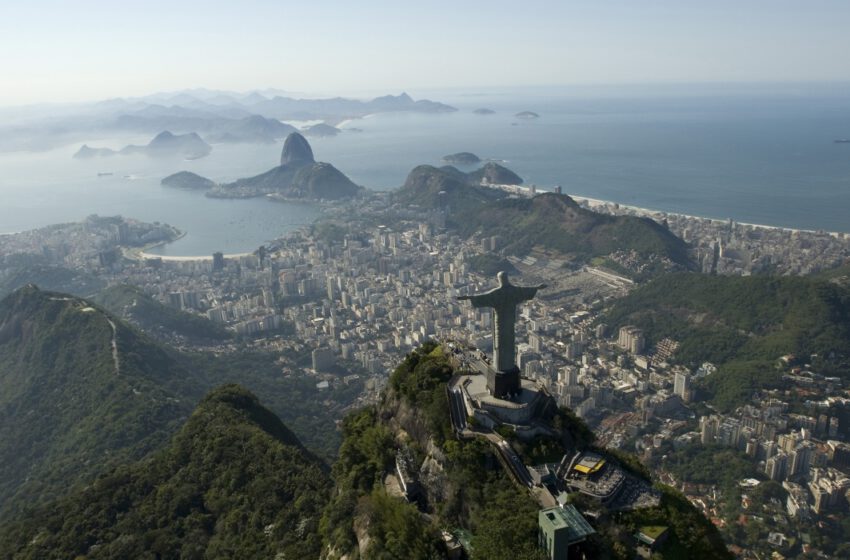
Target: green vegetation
<point>309,412</point>
<point>421,381</point>
<point>68,415</point>
<point>691,534</point>
<point>505,524</point>
<point>629,461</point>
<point>556,222</point>
<point>653,531</point>
<point>549,220</point>
<point>424,185</point>
<point>233,483</point>
<point>493,173</point>
<point>397,529</point>
<point>321,180</point>
<point>711,464</point>
<point>478,494</point>
<point>47,277</point>
<point>743,325</point>
<point>766,491</point>
<point>87,471</point>
<point>714,465</point>
<point>132,304</point>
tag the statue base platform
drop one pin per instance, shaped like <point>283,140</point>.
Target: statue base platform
<point>527,405</point>
<point>504,384</point>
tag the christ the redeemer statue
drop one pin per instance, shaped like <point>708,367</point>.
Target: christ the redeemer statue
<point>504,380</point>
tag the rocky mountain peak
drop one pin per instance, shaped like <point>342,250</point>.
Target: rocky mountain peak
<point>296,151</point>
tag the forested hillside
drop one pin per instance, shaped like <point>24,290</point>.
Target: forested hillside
<point>744,325</point>
<point>233,483</point>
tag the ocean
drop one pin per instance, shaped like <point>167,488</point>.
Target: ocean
<point>763,155</point>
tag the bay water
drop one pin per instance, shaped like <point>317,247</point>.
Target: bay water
<point>762,156</point>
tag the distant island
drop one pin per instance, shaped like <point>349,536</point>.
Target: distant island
<point>484,111</point>
<point>462,158</point>
<point>188,180</point>
<point>527,115</point>
<point>165,144</point>
<point>216,116</point>
<point>299,176</point>
<point>321,130</point>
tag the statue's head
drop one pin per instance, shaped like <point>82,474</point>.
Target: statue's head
<point>502,277</point>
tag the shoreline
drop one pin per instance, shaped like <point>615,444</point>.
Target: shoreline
<point>175,258</point>
<point>523,190</point>
<point>139,253</point>
<point>592,202</point>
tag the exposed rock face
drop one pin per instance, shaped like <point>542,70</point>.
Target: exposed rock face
<point>495,174</point>
<point>296,151</point>
<point>298,176</point>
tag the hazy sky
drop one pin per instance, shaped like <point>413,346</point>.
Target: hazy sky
<point>66,50</point>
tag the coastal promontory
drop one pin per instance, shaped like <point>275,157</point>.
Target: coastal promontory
<point>548,220</point>
<point>494,174</point>
<point>298,176</point>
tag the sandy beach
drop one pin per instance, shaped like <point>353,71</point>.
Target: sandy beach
<point>592,202</point>
<point>143,255</point>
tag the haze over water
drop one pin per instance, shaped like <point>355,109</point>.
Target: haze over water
<point>752,156</point>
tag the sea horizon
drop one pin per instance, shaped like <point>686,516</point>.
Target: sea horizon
<point>756,159</point>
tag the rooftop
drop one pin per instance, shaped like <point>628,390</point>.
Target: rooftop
<point>567,518</point>
<point>590,463</point>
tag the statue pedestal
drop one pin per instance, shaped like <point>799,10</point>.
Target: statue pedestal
<point>503,384</point>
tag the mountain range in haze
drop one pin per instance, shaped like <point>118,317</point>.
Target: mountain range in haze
<point>216,116</point>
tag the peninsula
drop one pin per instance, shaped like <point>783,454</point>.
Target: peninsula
<point>299,176</point>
